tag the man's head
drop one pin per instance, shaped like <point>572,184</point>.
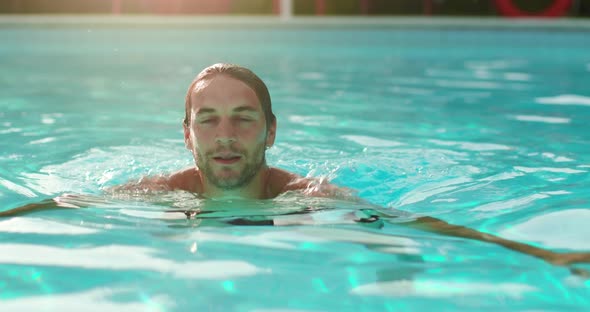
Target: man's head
<point>239,73</point>
<point>228,124</point>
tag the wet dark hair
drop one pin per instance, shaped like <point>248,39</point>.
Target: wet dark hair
<point>239,73</point>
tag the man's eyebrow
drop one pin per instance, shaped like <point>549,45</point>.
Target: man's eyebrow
<point>202,111</point>
<point>245,109</point>
<point>240,109</point>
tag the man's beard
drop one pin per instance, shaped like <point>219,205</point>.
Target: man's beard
<point>251,167</point>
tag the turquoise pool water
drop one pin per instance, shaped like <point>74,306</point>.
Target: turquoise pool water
<point>486,128</point>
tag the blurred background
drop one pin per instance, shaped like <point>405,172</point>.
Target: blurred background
<point>547,8</point>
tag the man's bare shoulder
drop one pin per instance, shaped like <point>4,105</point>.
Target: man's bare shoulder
<point>283,181</point>
<point>185,179</point>
<point>278,179</point>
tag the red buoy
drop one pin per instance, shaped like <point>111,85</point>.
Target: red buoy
<point>556,9</point>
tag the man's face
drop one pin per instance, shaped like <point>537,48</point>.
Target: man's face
<point>227,132</point>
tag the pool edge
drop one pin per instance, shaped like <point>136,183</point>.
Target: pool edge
<point>330,22</point>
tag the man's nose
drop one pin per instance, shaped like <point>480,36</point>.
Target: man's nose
<point>226,132</point>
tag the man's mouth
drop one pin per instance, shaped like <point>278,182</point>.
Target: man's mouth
<point>227,159</point>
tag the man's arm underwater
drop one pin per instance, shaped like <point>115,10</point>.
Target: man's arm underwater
<point>66,201</point>
<point>438,226</point>
<point>73,201</point>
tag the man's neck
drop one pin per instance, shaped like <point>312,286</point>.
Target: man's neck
<point>255,189</point>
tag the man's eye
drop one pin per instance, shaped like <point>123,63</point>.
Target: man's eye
<point>206,121</point>
<point>245,119</point>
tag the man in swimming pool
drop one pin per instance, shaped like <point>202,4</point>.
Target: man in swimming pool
<point>228,125</point>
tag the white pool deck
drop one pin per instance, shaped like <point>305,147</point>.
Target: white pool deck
<point>307,21</point>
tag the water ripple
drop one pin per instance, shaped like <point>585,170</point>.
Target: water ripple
<point>559,229</point>
<point>556,158</point>
<point>17,188</point>
<point>421,193</point>
<point>11,130</point>
<point>43,141</point>
<point>441,289</point>
<point>511,204</point>
<point>370,141</point>
<point>468,84</point>
<point>94,300</point>
<point>543,119</point>
<point>41,226</point>
<point>548,169</point>
<point>127,258</point>
<point>517,76</point>
<point>565,99</point>
<point>470,146</point>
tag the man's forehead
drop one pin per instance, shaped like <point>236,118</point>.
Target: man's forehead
<point>222,84</point>
<point>200,85</point>
<point>224,92</point>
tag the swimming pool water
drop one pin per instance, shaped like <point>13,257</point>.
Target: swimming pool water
<point>485,128</point>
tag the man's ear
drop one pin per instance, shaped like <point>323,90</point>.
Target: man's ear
<point>188,143</point>
<point>271,133</point>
